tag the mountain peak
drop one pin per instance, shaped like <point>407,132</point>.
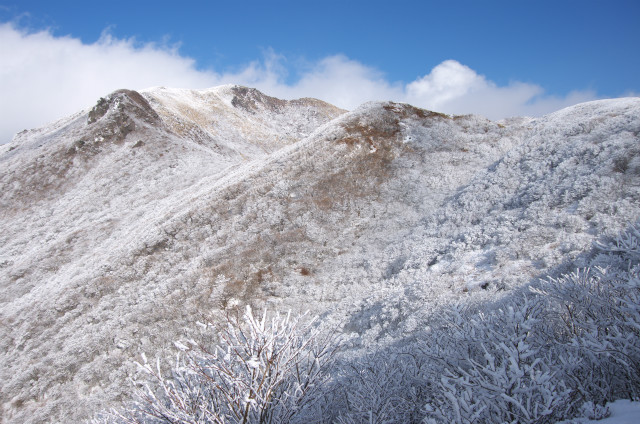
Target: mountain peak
<point>233,118</point>
<point>117,114</point>
<point>120,101</point>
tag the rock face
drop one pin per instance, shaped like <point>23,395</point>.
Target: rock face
<point>125,225</point>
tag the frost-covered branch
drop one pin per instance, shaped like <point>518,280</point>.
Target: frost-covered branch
<point>262,369</point>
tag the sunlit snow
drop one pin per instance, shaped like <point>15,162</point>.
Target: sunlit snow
<point>123,227</point>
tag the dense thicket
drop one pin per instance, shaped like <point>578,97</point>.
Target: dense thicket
<point>566,346</point>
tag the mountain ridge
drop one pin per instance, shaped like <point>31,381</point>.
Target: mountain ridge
<point>118,247</point>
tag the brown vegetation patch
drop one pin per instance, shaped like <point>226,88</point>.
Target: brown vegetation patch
<point>361,173</point>
<point>374,134</point>
<point>387,128</point>
<point>404,111</point>
<point>246,290</point>
<point>361,177</point>
<point>367,134</point>
<point>305,271</point>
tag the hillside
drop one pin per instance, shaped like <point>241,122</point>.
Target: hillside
<point>125,225</point>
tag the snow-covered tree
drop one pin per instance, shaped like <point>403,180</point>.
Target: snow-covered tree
<point>262,369</point>
<point>496,367</point>
<point>386,387</point>
<point>599,311</point>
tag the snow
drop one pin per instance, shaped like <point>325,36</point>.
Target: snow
<point>371,218</point>
<point>622,411</point>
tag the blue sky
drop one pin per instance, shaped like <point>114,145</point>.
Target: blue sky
<point>496,58</point>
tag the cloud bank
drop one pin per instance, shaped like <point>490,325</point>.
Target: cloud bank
<point>44,77</point>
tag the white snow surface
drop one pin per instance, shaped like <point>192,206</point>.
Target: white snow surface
<point>622,411</point>
<point>125,225</point>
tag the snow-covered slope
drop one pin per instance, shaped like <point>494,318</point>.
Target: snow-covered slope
<point>125,225</point>
<point>238,121</point>
<point>574,175</point>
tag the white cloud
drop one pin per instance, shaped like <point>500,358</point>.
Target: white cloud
<point>44,77</point>
<point>343,82</point>
<point>454,88</point>
<point>447,82</point>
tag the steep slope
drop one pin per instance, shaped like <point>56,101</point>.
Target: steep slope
<point>181,205</point>
<point>78,198</point>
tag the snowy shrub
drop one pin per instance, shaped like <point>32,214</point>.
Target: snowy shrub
<point>599,308</point>
<point>385,387</point>
<point>573,340</point>
<point>594,412</point>
<point>260,370</point>
<point>627,243</point>
<point>496,368</point>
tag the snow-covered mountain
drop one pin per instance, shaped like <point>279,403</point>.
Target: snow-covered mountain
<point>125,225</point>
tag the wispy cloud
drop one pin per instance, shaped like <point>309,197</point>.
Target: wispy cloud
<point>44,77</point>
